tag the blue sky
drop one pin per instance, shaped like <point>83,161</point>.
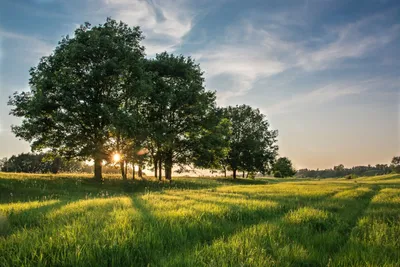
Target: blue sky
<point>326,73</point>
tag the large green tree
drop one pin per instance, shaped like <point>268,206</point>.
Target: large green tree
<point>252,144</point>
<point>283,167</point>
<point>210,145</point>
<point>78,92</point>
<point>395,164</point>
<point>179,110</point>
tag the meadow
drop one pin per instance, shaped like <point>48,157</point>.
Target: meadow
<point>70,220</point>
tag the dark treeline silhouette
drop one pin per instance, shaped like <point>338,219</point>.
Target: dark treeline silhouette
<point>341,171</point>
<point>39,163</point>
<point>49,163</point>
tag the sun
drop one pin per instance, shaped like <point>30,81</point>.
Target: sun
<point>116,157</point>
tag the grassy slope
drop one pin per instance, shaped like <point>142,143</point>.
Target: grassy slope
<point>69,220</point>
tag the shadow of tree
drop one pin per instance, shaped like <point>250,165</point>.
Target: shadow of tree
<point>112,233</point>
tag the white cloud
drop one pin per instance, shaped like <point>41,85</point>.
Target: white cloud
<point>164,23</point>
<point>249,53</point>
<point>352,41</point>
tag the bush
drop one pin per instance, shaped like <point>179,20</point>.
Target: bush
<point>278,174</point>
<point>351,176</point>
<point>251,175</point>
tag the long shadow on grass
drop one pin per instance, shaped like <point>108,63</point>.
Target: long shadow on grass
<point>31,217</point>
<point>326,238</point>
<point>17,190</point>
<point>70,231</point>
<point>314,234</point>
<point>178,235</point>
<point>236,218</point>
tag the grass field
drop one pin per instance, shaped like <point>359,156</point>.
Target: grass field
<point>69,220</point>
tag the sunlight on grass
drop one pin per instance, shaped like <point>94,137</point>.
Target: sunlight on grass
<point>352,193</point>
<point>18,207</point>
<point>83,206</point>
<point>375,239</point>
<point>306,214</point>
<point>388,196</point>
<point>199,222</point>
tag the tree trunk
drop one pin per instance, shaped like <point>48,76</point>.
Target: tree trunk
<point>140,172</point>
<point>243,174</point>
<point>133,171</point>
<point>97,169</point>
<point>155,166</point>
<point>122,166</point>
<point>225,172</point>
<point>159,169</point>
<point>234,174</point>
<point>126,170</point>
<point>168,165</point>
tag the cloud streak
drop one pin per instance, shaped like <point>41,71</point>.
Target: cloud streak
<point>250,53</point>
<point>164,23</point>
<point>34,47</point>
<point>329,93</point>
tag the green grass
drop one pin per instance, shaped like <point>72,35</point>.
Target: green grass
<point>69,220</point>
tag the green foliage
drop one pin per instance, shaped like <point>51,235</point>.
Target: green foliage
<point>77,91</point>
<point>39,163</point>
<point>211,146</point>
<point>97,95</point>
<point>395,166</point>
<point>180,111</point>
<point>396,161</point>
<point>283,168</point>
<point>378,169</point>
<point>67,220</point>
<point>351,176</point>
<point>252,145</point>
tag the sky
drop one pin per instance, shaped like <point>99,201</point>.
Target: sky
<point>326,73</point>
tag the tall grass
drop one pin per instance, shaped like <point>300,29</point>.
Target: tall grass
<point>68,220</point>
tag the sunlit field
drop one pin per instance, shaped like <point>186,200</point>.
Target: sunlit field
<point>70,220</point>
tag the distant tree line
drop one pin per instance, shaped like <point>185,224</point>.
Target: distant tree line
<point>97,97</point>
<point>49,163</point>
<point>38,163</point>
<point>341,171</point>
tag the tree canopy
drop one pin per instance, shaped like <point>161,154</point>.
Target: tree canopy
<point>97,95</point>
<point>252,145</point>
<point>77,92</point>
<point>283,167</point>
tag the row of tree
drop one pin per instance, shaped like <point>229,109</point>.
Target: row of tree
<point>50,163</point>
<point>97,96</point>
<point>39,163</point>
<point>341,171</point>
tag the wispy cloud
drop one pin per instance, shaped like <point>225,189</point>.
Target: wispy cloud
<point>250,53</point>
<point>354,40</point>
<point>329,93</point>
<point>31,46</point>
<point>164,23</point>
<point>246,55</point>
